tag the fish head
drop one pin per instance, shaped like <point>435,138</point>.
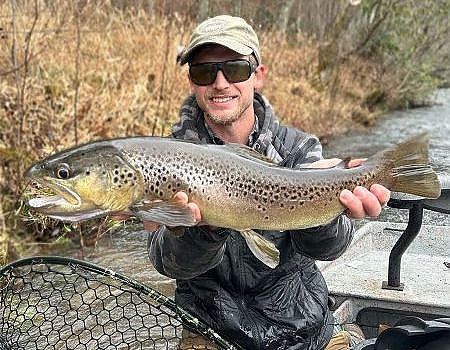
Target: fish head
<point>85,182</point>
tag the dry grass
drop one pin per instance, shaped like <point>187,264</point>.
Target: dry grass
<point>112,74</point>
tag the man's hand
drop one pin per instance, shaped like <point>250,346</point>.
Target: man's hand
<point>363,202</point>
<point>181,198</point>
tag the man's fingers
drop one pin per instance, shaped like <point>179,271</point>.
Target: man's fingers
<point>369,201</point>
<point>382,193</point>
<point>352,163</point>
<point>196,211</point>
<point>151,226</point>
<point>361,202</point>
<point>354,206</point>
<point>181,197</point>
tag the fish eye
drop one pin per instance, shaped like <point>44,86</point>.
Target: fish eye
<point>62,171</point>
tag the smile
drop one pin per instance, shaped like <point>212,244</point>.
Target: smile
<point>221,99</point>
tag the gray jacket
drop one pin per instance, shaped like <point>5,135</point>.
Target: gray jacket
<point>221,282</point>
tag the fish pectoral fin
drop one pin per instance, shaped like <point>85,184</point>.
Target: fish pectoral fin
<point>262,248</point>
<point>166,213</point>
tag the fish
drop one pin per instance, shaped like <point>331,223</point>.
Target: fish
<point>233,185</point>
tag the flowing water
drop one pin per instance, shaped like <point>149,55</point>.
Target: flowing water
<point>398,126</point>
<point>125,251</point>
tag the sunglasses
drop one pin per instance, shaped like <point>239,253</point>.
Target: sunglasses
<point>235,71</point>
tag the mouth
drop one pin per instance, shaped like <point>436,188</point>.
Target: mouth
<point>222,99</point>
<point>59,202</point>
<point>50,194</point>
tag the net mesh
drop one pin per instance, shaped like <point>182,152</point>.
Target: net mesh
<point>62,303</point>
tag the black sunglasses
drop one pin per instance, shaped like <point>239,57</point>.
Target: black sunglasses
<point>235,71</point>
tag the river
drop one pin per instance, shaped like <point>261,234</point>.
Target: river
<point>125,251</point>
<point>397,126</point>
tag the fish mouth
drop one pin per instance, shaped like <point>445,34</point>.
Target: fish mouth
<point>53,194</point>
<point>59,202</point>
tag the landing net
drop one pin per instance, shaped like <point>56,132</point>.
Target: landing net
<point>64,303</point>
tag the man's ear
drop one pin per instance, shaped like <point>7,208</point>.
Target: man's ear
<point>260,75</point>
<point>191,84</point>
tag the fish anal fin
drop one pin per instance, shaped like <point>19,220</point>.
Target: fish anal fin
<point>262,248</point>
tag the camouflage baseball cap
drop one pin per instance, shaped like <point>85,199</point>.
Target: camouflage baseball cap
<point>232,32</point>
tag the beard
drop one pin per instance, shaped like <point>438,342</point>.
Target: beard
<point>226,120</point>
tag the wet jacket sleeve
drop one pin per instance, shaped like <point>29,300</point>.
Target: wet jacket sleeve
<point>324,242</point>
<point>186,255</point>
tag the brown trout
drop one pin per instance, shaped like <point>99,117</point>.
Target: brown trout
<point>233,185</point>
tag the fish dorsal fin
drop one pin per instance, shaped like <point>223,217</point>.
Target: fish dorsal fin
<point>249,153</point>
<point>262,248</point>
<point>169,213</point>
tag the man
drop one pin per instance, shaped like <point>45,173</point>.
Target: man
<point>218,278</point>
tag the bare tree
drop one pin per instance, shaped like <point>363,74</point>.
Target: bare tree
<point>284,15</point>
<point>21,75</point>
<point>203,10</point>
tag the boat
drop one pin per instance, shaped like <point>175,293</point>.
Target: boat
<point>396,276</point>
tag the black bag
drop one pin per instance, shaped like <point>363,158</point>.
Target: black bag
<point>412,333</point>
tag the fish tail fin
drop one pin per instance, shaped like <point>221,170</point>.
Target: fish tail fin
<point>411,172</point>
<point>262,248</point>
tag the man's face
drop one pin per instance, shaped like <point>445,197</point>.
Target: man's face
<point>224,102</point>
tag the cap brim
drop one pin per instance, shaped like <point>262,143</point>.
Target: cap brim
<point>232,45</point>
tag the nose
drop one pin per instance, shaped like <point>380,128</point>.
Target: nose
<point>221,82</point>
